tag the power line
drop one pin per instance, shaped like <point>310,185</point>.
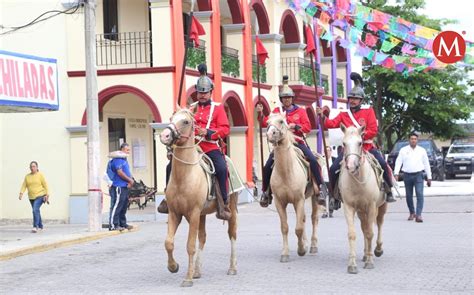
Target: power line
<point>39,19</point>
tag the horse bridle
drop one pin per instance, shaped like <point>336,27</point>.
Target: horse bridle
<point>176,132</point>
<point>280,131</point>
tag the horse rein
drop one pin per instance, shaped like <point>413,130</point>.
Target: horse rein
<point>280,134</point>
<point>361,159</point>
<point>176,135</point>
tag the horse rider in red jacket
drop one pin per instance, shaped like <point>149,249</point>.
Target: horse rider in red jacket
<point>358,115</point>
<point>299,124</point>
<point>212,127</point>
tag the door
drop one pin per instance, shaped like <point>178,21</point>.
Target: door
<point>116,133</point>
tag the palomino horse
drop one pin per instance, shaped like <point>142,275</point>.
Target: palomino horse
<point>186,195</point>
<point>288,184</point>
<point>360,193</point>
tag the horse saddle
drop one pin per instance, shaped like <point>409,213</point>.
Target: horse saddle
<point>235,182</point>
<point>376,167</point>
<point>306,167</point>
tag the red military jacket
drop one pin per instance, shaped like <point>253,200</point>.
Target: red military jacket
<point>365,116</point>
<point>218,128</point>
<point>298,116</point>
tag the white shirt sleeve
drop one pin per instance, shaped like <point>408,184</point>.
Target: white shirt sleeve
<point>426,164</point>
<point>398,162</point>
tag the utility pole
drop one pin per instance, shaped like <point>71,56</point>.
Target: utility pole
<point>93,143</point>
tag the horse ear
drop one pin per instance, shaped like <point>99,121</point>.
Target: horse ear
<point>343,127</point>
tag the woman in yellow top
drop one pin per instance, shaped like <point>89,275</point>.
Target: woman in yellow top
<point>37,193</point>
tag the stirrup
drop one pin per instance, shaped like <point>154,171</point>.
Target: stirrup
<point>265,199</point>
<point>224,213</point>
<point>389,198</point>
<point>163,207</point>
<point>334,204</point>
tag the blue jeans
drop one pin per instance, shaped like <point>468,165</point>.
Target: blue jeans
<point>36,205</point>
<point>119,199</point>
<point>414,180</point>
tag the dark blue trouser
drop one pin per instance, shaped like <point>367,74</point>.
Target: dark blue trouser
<point>336,165</point>
<point>119,209</point>
<point>414,180</point>
<point>313,165</point>
<point>113,201</point>
<point>36,205</point>
<point>218,159</point>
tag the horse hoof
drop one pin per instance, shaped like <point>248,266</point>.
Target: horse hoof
<point>232,272</point>
<point>313,250</point>
<point>285,258</point>
<point>187,283</point>
<point>364,259</point>
<point>196,276</point>
<point>302,252</point>
<point>378,253</point>
<point>174,270</point>
<point>352,269</point>
<point>369,265</point>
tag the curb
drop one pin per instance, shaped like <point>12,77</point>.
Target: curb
<point>63,243</point>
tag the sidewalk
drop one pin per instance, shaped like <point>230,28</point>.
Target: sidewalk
<point>18,240</point>
<point>444,188</point>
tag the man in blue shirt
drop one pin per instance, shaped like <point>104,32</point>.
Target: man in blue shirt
<point>121,183</point>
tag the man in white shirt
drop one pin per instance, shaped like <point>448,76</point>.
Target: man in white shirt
<point>414,160</point>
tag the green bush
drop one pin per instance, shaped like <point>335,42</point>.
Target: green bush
<point>230,65</point>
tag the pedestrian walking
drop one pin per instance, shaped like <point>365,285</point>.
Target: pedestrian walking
<point>413,161</point>
<point>121,183</point>
<point>38,194</point>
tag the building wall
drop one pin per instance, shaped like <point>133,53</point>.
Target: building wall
<point>38,136</point>
<point>62,155</point>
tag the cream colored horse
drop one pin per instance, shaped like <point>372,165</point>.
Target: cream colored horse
<point>288,184</point>
<point>187,193</point>
<point>360,193</point>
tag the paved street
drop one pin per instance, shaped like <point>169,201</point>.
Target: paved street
<point>435,256</point>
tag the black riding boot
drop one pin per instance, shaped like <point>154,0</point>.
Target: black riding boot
<point>266,198</point>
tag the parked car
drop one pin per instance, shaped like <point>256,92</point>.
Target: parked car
<point>435,157</point>
<point>459,159</point>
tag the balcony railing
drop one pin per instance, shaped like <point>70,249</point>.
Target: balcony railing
<point>263,70</point>
<point>298,70</point>
<point>230,61</point>
<point>130,48</point>
<point>196,54</point>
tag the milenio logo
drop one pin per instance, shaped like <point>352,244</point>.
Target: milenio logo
<point>449,47</point>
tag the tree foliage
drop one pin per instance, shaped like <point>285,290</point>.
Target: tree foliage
<point>429,102</point>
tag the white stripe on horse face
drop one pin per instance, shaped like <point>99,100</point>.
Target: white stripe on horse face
<point>353,150</point>
<point>272,131</point>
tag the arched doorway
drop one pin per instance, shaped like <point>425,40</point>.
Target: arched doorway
<point>236,142</point>
<point>259,12</point>
<point>125,114</point>
<point>289,27</point>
